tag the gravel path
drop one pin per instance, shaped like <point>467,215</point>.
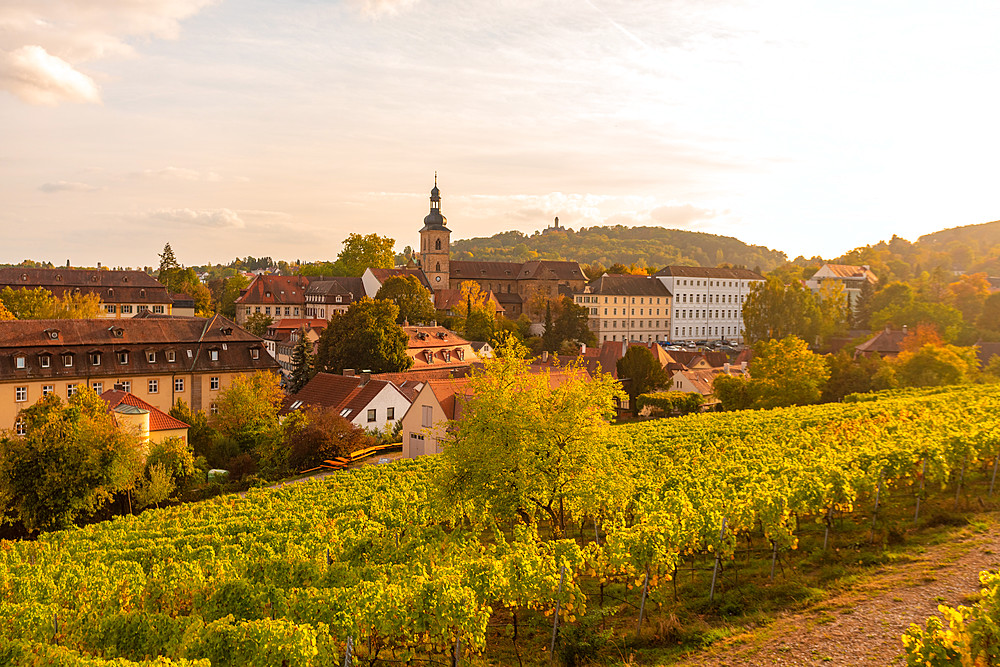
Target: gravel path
<point>863,626</point>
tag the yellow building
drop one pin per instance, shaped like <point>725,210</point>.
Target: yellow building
<point>158,359</point>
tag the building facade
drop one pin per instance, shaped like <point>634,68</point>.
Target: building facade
<point>707,301</point>
<point>122,293</point>
<point>627,308</point>
<point>852,278</point>
<point>275,296</point>
<point>158,359</point>
<point>325,297</point>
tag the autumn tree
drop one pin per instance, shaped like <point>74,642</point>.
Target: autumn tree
<point>528,445</point>
<point>415,302</point>
<point>935,365</point>
<point>40,304</point>
<point>316,435</point>
<point>71,461</point>
<point>641,373</point>
<point>366,337</point>
<point>361,252</point>
<point>773,310</point>
<point>231,288</point>
<point>247,414</point>
<point>786,372</point>
<point>856,376</point>
<point>4,313</point>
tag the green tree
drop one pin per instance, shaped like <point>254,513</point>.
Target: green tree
<point>368,251</point>
<point>258,323</point>
<point>641,373</point>
<point>734,392</point>
<point>527,445</point>
<point>231,288</point>
<point>946,319</point>
<point>40,304</point>
<point>989,319</point>
<point>786,372</point>
<point>71,461</point>
<point>416,305</point>
<point>247,413</point>
<point>167,260</point>
<point>862,310</point>
<point>302,363</point>
<point>572,324</point>
<point>366,337</point>
<point>856,376</point>
<point>478,326</point>
<point>201,435</point>
<point>773,310</point>
<point>935,365</point>
<point>550,340</point>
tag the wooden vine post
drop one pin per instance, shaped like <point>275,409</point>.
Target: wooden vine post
<point>715,570</point>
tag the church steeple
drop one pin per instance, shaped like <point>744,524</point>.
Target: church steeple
<point>435,243</point>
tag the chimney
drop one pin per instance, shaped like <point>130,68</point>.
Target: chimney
<point>583,348</point>
<point>904,329</point>
<point>119,386</point>
<point>434,323</point>
<point>725,368</point>
<point>349,372</point>
<point>98,266</point>
<point>545,356</point>
<point>365,377</point>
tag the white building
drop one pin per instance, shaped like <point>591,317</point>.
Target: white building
<point>851,277</point>
<point>707,302</point>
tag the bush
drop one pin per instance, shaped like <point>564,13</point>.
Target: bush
<point>671,402</point>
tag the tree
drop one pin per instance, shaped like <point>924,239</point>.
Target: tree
<point>257,324</point>
<point>247,413</point>
<point>968,294</point>
<point>527,445</point>
<point>946,319</point>
<point>834,310</point>
<point>989,319</point>
<point>318,435</point>
<point>550,342</point>
<point>643,374</point>
<point>361,252</point>
<point>861,312</point>
<point>935,365</point>
<point>785,372</point>
<point>71,461</point>
<point>572,324</point>
<point>40,304</point>
<point>302,363</point>
<point>4,313</point>
<point>773,310</point>
<point>366,337</point>
<point>231,288</point>
<point>167,260</point>
<point>416,305</point>
<point>856,376</point>
<point>734,392</point>
<point>201,435</point>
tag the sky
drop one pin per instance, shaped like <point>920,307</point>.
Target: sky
<point>276,128</point>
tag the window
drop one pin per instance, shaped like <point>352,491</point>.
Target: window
<point>70,390</point>
<point>20,362</point>
<point>142,309</point>
<point>126,309</point>
<point>158,309</point>
<point>371,415</point>
<point>126,385</point>
<point>95,358</point>
<point>255,353</point>
<point>98,387</point>
<point>67,360</point>
<point>267,310</point>
<point>154,386</point>
<point>151,356</point>
<point>213,383</point>
<point>122,357</point>
<point>171,357</point>
<point>48,389</point>
<point>426,415</point>
<point>178,384</point>
<point>110,308</point>
<point>390,414</point>
<point>20,394</point>
<point>213,408</point>
<point>213,355</point>
<point>45,360</point>
<point>19,427</point>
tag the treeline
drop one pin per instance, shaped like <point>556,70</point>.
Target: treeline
<point>651,247</point>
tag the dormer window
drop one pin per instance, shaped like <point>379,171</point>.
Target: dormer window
<point>24,277</point>
<point>124,279</point>
<point>142,294</point>
<point>45,360</point>
<point>171,356</point>
<point>461,354</point>
<point>93,278</point>
<point>254,353</point>
<point>52,334</point>
<point>339,299</point>
<point>20,362</point>
<point>447,355</point>
<point>67,360</point>
<point>59,278</point>
<point>213,355</point>
<point>227,331</point>
<point>122,357</point>
<point>118,332</point>
<point>95,358</point>
<point>151,356</point>
<point>111,291</point>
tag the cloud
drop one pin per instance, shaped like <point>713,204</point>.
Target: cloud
<point>38,77</point>
<point>378,8</point>
<point>43,42</point>
<point>180,174</point>
<point>684,215</point>
<point>220,218</point>
<point>67,186</point>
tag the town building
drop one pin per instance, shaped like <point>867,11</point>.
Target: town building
<point>326,296</point>
<point>437,347</point>
<point>274,296</point>
<point>707,301</point>
<point>887,343</point>
<point>280,331</point>
<point>363,401</point>
<point>700,380</point>
<point>159,359</point>
<point>152,424</point>
<point>627,308</point>
<point>122,293</point>
<point>373,279</point>
<point>852,278</point>
<point>518,287</point>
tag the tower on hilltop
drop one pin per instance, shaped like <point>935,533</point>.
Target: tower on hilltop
<point>435,243</point>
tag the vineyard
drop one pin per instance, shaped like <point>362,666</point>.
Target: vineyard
<point>375,566</point>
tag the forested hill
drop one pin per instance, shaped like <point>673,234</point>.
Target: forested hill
<point>646,246</point>
<point>984,236</point>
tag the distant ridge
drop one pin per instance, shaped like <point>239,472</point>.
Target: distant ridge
<point>646,246</point>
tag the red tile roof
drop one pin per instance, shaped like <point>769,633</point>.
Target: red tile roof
<point>338,393</point>
<point>381,275</point>
<point>110,286</point>
<point>271,289</point>
<point>158,420</point>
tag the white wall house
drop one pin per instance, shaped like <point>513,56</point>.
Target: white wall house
<point>708,302</point>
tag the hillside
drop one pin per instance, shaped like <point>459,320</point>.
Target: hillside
<point>645,246</point>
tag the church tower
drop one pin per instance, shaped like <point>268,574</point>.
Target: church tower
<point>435,243</point>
